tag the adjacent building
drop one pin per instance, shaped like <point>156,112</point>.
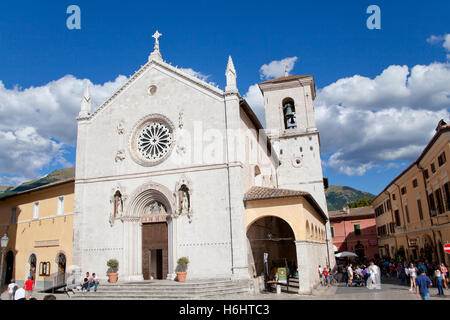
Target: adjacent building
<point>354,230</point>
<point>39,226</point>
<point>412,212</point>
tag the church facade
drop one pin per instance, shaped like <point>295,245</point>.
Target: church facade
<point>171,166</point>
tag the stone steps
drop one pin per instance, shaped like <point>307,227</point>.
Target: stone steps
<point>164,290</point>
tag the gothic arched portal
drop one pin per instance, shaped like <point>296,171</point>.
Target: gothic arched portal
<point>148,227</point>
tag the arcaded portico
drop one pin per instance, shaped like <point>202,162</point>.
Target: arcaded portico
<point>290,226</point>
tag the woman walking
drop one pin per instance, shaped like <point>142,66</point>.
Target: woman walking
<point>438,276</point>
<point>412,271</point>
<point>444,275</point>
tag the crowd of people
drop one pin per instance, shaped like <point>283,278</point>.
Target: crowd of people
<point>418,275</point>
<point>24,292</point>
<point>361,275</point>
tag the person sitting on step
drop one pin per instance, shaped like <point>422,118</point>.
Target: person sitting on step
<point>93,281</point>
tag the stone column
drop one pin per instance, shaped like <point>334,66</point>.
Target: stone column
<point>132,252</point>
<point>304,262</point>
<point>172,247</point>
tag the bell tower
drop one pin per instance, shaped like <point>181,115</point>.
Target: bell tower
<point>291,126</point>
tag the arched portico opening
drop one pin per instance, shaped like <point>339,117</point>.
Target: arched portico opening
<point>275,237</point>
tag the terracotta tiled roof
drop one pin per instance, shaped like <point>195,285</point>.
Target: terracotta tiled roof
<point>43,187</point>
<point>283,79</point>
<point>262,193</point>
<point>353,212</point>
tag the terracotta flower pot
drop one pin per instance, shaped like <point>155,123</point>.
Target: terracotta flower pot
<point>113,277</point>
<point>181,276</point>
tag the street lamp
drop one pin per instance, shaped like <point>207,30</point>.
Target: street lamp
<point>3,244</point>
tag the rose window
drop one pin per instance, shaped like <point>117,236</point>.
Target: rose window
<point>154,141</point>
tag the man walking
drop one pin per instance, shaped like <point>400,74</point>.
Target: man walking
<point>11,289</point>
<point>350,275</point>
<point>422,285</point>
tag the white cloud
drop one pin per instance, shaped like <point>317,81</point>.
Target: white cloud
<point>366,122</point>
<point>277,68</point>
<point>423,87</point>
<point>435,39</point>
<point>196,74</point>
<point>255,99</point>
<point>38,122</point>
<point>445,39</point>
<point>273,69</point>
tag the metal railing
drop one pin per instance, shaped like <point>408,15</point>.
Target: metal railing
<point>55,281</point>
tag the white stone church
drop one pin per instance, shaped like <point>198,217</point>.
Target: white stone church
<point>171,166</point>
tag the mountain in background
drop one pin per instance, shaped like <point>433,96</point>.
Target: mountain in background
<point>55,176</point>
<point>340,196</point>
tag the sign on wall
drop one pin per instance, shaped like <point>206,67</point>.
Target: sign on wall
<point>447,248</point>
<point>282,275</point>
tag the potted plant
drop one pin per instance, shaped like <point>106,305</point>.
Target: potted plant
<point>182,268</point>
<point>113,267</point>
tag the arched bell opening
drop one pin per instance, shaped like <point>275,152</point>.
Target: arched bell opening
<point>290,117</point>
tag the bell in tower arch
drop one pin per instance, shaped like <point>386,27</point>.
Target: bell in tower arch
<point>289,115</point>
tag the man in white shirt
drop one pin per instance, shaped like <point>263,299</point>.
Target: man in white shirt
<point>321,274</point>
<point>20,294</point>
<point>11,289</point>
<point>93,281</point>
<point>350,275</point>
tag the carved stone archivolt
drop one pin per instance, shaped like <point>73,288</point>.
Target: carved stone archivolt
<point>152,202</point>
<point>183,196</point>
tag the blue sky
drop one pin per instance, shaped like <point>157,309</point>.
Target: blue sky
<point>329,38</point>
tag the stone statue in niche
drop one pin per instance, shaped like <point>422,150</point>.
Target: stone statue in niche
<point>184,200</point>
<point>183,195</point>
<point>117,202</point>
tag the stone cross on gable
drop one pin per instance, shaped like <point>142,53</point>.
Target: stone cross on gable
<point>157,35</point>
<point>156,55</point>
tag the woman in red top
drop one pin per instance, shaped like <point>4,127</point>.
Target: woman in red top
<point>29,284</point>
<point>326,276</point>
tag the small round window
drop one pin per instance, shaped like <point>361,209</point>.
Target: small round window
<point>152,90</point>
